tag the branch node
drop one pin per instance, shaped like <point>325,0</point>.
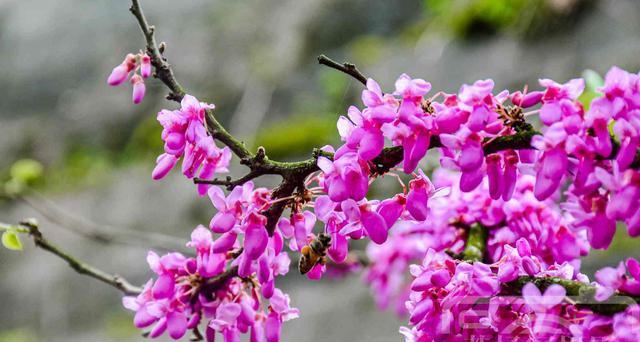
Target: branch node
<point>260,155</point>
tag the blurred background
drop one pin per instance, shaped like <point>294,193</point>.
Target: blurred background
<point>82,154</point>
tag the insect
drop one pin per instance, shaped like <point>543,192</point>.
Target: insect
<point>314,253</point>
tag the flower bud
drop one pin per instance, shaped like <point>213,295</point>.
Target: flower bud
<point>138,88</point>
<point>164,164</point>
<point>118,75</point>
<point>526,100</point>
<point>524,249</point>
<point>145,65</point>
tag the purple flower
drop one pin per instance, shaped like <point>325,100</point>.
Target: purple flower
<point>552,164</point>
<point>558,101</point>
<point>346,176</point>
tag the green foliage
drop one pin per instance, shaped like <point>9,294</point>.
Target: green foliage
<point>118,325</point>
<point>593,81</point>
<point>145,143</point>
<point>18,335</point>
<point>527,18</point>
<point>488,15</point>
<point>297,135</point>
<point>22,173</point>
<point>81,166</point>
<point>10,240</point>
<point>367,50</point>
<point>26,171</point>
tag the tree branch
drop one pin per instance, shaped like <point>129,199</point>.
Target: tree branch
<point>294,173</point>
<point>228,182</point>
<point>347,68</point>
<point>163,69</point>
<point>31,227</point>
<point>99,232</point>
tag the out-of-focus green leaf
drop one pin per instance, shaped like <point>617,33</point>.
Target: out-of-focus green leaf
<point>18,335</point>
<point>13,187</point>
<point>11,240</point>
<point>26,171</point>
<point>297,135</point>
<point>592,80</point>
<point>145,143</point>
<point>525,18</point>
<point>586,98</point>
<point>366,50</point>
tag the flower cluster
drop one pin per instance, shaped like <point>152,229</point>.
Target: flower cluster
<point>611,279</point>
<point>506,183</point>
<point>598,146</point>
<point>538,225</point>
<point>408,243</point>
<point>185,136</point>
<point>622,327</point>
<point>457,299</point>
<point>131,64</point>
<point>188,291</point>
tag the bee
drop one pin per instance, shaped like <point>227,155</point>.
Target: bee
<point>314,253</point>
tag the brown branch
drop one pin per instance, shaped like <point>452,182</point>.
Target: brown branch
<point>81,267</point>
<point>165,74</point>
<point>105,234</point>
<point>219,280</point>
<point>348,68</point>
<point>229,183</point>
<point>294,173</point>
<point>162,68</point>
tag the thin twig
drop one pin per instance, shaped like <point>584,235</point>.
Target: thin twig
<point>228,182</point>
<point>294,173</point>
<point>164,72</point>
<point>347,68</point>
<point>81,267</point>
<point>99,232</point>
<point>162,67</point>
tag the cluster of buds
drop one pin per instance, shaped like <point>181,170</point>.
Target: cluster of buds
<point>128,69</point>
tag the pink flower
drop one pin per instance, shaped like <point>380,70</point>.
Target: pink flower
<point>138,88</point>
<point>420,190</point>
<point>299,227</point>
<point>469,159</point>
<point>164,164</point>
<point>363,217</point>
<point>541,303</point>
<point>526,100</point>
<point>552,164</point>
<point>346,176</point>
<point>380,107</point>
<point>185,135</point>
<point>611,279</point>
<point>226,320</point>
<point>230,209</point>
<point>145,65</point>
<point>477,100</point>
<point>559,102</point>
<point>120,73</point>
